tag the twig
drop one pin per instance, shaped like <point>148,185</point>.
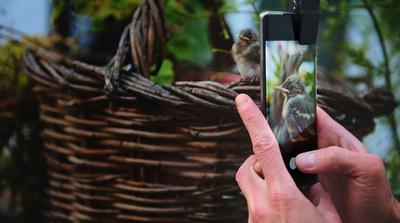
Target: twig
<point>225,31</point>
<point>388,81</point>
<point>256,11</point>
<point>8,37</point>
<point>217,50</point>
<point>11,34</point>
<point>382,43</point>
<point>393,126</point>
<point>12,30</point>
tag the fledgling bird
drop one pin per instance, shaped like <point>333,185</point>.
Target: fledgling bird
<point>246,54</point>
<point>298,110</point>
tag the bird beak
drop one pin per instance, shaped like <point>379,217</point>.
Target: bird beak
<point>281,89</point>
<point>243,38</point>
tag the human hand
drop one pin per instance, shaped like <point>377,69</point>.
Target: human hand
<point>276,197</point>
<point>354,178</point>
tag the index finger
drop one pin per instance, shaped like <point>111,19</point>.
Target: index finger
<point>331,133</point>
<point>265,146</point>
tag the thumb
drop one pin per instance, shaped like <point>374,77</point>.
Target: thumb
<point>335,159</point>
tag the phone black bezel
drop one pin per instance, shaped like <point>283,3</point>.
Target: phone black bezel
<point>281,26</point>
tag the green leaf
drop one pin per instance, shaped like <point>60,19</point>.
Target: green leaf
<point>58,7</point>
<point>358,56</point>
<point>189,39</point>
<point>105,13</point>
<point>166,74</point>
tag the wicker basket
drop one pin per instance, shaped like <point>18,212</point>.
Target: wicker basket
<point>137,152</point>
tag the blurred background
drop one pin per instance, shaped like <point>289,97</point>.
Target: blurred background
<point>359,44</point>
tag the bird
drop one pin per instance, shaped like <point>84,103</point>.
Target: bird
<point>246,54</point>
<point>298,110</point>
<point>280,132</point>
<point>289,64</point>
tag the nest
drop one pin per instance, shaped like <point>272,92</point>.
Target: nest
<point>121,148</point>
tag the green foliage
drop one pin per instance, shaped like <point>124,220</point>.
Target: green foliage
<point>327,7</point>
<point>358,52</point>
<point>189,39</point>
<point>166,74</point>
<point>358,56</point>
<point>104,9</point>
<point>338,17</point>
<point>11,82</point>
<point>309,81</point>
<point>58,8</point>
<point>393,167</point>
<point>22,170</point>
<point>99,11</point>
<point>20,145</point>
<point>389,11</point>
<point>256,11</point>
<point>227,7</point>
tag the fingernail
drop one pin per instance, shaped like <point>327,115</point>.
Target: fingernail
<point>257,167</point>
<point>241,100</point>
<point>306,160</point>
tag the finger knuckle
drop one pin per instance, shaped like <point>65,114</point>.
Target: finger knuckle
<point>263,147</point>
<point>252,158</point>
<point>243,169</point>
<point>333,154</point>
<point>280,200</point>
<point>375,164</point>
<point>239,175</point>
<point>332,218</point>
<point>258,213</point>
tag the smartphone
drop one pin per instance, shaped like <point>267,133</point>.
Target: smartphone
<point>288,83</point>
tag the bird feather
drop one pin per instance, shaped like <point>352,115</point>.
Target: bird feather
<point>299,115</point>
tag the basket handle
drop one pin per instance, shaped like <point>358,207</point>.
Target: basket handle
<point>143,39</point>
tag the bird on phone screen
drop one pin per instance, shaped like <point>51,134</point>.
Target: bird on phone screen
<point>246,54</point>
<point>298,110</point>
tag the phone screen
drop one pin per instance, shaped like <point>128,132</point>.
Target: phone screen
<point>290,94</point>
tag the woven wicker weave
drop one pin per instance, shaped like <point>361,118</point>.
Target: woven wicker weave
<point>137,152</point>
